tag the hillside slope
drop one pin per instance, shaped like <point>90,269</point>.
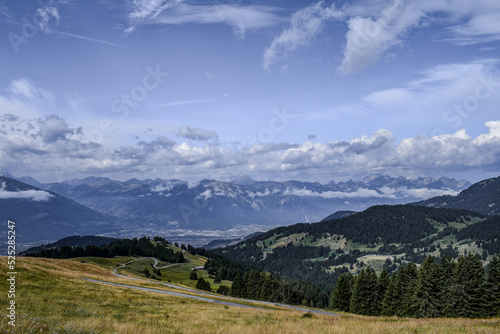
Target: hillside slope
<point>382,236</point>
<point>41,215</point>
<point>483,197</point>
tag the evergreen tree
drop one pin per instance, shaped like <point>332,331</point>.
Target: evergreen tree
<point>203,285</point>
<point>342,293</point>
<point>383,284</point>
<point>236,287</point>
<point>267,289</point>
<point>218,277</point>
<point>472,278</point>
<point>451,294</point>
<point>426,300</point>
<point>224,290</point>
<point>193,276</point>
<point>391,300</point>
<point>405,287</point>
<point>364,294</point>
<point>494,285</point>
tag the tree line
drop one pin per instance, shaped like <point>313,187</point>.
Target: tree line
<point>121,247</point>
<point>251,283</point>
<point>444,288</point>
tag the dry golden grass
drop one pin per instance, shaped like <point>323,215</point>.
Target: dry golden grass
<point>51,297</point>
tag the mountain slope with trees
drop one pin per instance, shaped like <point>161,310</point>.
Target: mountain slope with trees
<point>384,236</point>
<point>483,197</point>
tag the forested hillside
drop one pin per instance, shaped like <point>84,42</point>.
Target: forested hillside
<point>381,236</point>
<point>483,197</point>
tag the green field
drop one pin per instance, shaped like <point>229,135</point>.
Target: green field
<point>51,297</point>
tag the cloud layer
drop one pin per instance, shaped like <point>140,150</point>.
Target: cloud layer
<point>32,195</point>
<point>51,150</point>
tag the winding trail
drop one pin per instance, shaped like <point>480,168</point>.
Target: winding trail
<point>229,301</point>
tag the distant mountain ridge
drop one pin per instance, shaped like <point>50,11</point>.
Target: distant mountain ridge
<point>163,205</point>
<point>169,204</point>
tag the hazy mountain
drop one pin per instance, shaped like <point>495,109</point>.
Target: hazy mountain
<point>211,204</point>
<point>482,197</point>
<point>41,215</point>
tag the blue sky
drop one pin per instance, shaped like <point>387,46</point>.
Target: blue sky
<point>306,90</point>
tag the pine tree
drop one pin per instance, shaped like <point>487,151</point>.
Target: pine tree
<point>236,287</point>
<point>391,299</point>
<point>426,300</point>
<point>203,285</point>
<point>472,279</point>
<point>267,289</point>
<point>450,293</point>
<point>383,284</point>
<point>405,287</point>
<point>342,293</point>
<point>494,285</point>
<point>364,294</point>
<point>218,277</point>
<point>193,276</point>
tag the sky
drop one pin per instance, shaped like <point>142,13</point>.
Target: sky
<point>277,90</point>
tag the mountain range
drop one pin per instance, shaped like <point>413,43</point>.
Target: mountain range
<point>96,205</point>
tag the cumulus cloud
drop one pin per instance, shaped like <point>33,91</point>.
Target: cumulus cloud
<point>196,133</point>
<point>53,128</point>
<point>53,150</point>
<point>32,195</point>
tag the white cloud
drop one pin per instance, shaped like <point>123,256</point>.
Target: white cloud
<point>52,149</point>
<point>376,28</point>
<point>196,133</point>
<point>305,25</point>
<point>32,195</point>
<point>369,38</point>
<point>47,14</point>
<point>176,12</point>
<point>27,89</point>
<point>384,192</point>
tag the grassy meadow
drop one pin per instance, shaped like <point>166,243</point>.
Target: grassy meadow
<point>52,298</point>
